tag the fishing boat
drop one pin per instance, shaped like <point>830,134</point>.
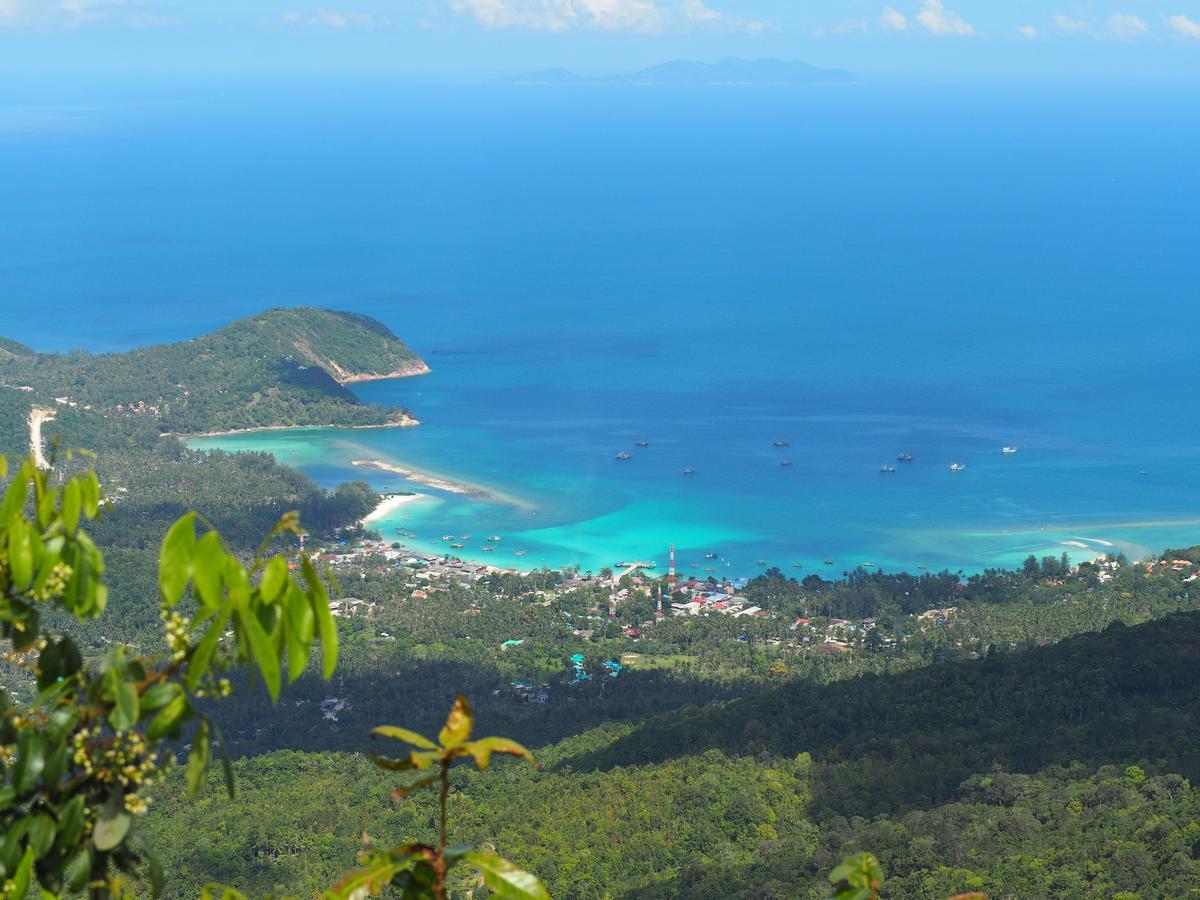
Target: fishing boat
<point>785,462</point>
<point>495,537</point>
<point>710,556</point>
<point>779,442</point>
<point>456,546</point>
<point>904,456</point>
<point>520,552</point>
<point>798,565</point>
<point>956,467</point>
<point>624,455</point>
<point>689,471</point>
<point>447,537</point>
<point>641,442</point>
<point>710,568</point>
<point>829,562</point>
<point>887,468</point>
<point>487,549</point>
<point>1008,449</point>
<point>760,562</point>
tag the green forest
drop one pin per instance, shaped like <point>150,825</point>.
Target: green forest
<point>1037,740</point>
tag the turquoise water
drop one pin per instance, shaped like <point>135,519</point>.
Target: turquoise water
<point>938,269</point>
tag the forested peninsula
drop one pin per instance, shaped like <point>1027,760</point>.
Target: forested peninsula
<point>283,367</point>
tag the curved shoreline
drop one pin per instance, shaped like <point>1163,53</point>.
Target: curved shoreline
<point>406,421</point>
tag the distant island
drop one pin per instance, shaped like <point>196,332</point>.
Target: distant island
<point>729,71</point>
<point>281,368</point>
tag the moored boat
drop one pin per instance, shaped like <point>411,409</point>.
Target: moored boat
<point>904,456</point>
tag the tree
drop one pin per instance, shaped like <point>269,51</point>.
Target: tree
<point>94,737</point>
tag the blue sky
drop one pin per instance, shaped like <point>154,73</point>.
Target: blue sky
<point>1126,39</point>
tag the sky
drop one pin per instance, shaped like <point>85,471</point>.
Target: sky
<point>1121,39</point>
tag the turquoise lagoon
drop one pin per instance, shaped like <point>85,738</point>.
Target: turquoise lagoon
<point>942,269</point>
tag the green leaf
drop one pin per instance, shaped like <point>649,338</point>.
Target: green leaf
<point>458,724</point>
<point>326,626</point>
<point>20,553</point>
<point>298,629</point>
<point>505,879</point>
<point>483,749</point>
<point>113,824</point>
<point>274,578</point>
<point>41,833</point>
<point>403,734</point>
<point>31,760</point>
<point>126,706</point>
<point>264,651</point>
<point>404,790</point>
<point>199,760</point>
<point>70,825</point>
<point>78,870</point>
<point>208,562</point>
<point>23,876</point>
<point>90,494</point>
<point>170,717</point>
<point>14,497</point>
<point>175,559</point>
<point>72,505</point>
<point>160,694</point>
<point>373,877</point>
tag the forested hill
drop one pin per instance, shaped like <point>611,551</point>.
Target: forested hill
<point>281,367</point>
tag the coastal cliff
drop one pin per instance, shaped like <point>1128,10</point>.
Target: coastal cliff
<point>282,368</point>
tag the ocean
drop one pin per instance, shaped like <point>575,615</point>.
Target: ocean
<point>942,269</point>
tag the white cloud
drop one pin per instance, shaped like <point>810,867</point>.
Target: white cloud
<point>9,11</point>
<point>339,21</point>
<point>644,16</point>
<point>850,26</point>
<point>695,12</point>
<point>936,19</point>
<point>1072,26</point>
<point>61,14</point>
<point>1184,26</point>
<point>1028,31</point>
<point>1127,27</point>
<point>893,20</point>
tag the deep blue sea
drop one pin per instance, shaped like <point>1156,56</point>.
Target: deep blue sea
<point>941,269</point>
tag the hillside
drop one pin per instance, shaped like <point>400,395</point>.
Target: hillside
<point>283,367</point>
<point>1023,775</point>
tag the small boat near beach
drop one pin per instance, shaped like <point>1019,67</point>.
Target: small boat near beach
<point>624,454</point>
<point>520,552</point>
<point>710,556</point>
<point>487,549</point>
<point>641,442</point>
<point>1008,450</point>
<point>456,546</point>
<point>887,468</point>
<point>779,442</point>
<point>447,537</point>
<point>496,538</point>
<point>829,562</point>
<point>904,456</point>
<point>957,467</point>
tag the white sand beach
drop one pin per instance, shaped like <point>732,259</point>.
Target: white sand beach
<point>389,504</point>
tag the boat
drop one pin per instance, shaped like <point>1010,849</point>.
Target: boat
<point>710,556</point>
<point>868,565</point>
<point>779,442</point>
<point>456,546</point>
<point>689,471</point>
<point>641,442</point>
<point>760,562</point>
<point>904,456</point>
<point>520,552</point>
<point>785,462</point>
<point>487,549</point>
<point>922,567</point>
<point>624,455</point>
<point>447,537</point>
<point>829,562</point>
<point>464,537</point>
<point>495,537</point>
<point>887,468</point>
<point>956,467</point>
<point>710,568</point>
<point>1008,449</point>
<point>798,565</point>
